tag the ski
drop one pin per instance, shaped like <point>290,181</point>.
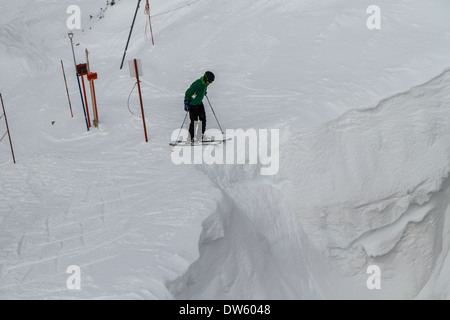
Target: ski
<point>189,144</point>
<point>196,143</point>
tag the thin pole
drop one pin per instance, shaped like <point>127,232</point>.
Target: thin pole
<point>140,98</point>
<point>179,133</point>
<point>151,31</point>
<point>67,89</point>
<point>78,79</point>
<point>147,11</point>
<point>214,114</point>
<point>91,84</point>
<point>82,102</point>
<point>129,36</point>
<point>73,52</point>
<point>95,102</point>
<point>7,129</point>
<point>85,100</point>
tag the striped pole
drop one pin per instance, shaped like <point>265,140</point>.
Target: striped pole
<point>67,89</point>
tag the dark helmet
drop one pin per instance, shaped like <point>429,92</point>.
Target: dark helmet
<point>209,76</point>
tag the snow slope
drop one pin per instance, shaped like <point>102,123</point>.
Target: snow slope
<point>384,216</point>
<point>363,152</point>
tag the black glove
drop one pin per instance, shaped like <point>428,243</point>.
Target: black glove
<point>186,105</point>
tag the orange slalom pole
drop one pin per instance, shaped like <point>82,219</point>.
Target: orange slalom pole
<point>95,101</point>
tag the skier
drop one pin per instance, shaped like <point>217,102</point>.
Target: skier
<point>194,105</point>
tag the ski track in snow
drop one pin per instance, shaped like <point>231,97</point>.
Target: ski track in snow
<point>91,221</point>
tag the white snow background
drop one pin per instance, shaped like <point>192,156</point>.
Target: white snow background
<point>364,152</point>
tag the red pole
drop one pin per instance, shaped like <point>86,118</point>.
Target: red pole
<point>91,86</point>
<point>85,101</point>
<point>140,98</point>
<point>7,129</point>
<point>95,101</point>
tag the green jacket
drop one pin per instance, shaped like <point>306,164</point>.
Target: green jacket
<point>196,92</point>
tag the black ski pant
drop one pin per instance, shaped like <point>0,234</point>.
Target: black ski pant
<point>197,113</point>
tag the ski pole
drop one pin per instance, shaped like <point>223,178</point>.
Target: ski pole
<point>182,127</point>
<point>214,114</point>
